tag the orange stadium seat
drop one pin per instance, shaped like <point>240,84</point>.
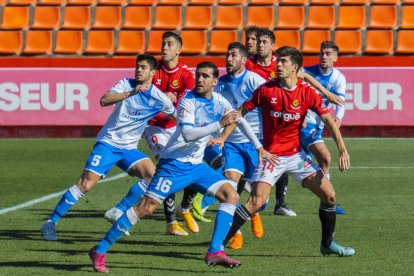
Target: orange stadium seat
<point>3,2</point>
<point>290,17</point>
<point>263,2</point>
<point>219,40</point>
<point>312,40</point>
<point>167,17</point>
<point>408,2</point>
<point>232,2</point>
<point>287,38</point>
<point>82,2</point>
<point>155,42</point>
<point>355,2</point>
<point>51,2</point>
<point>202,2</point>
<point>229,17</point>
<point>137,17</point>
<point>100,42</point>
<point>293,2</point>
<point>76,17</point>
<point>195,42</point>
<point>46,17</point>
<point>107,17</point>
<point>131,42</point>
<point>11,42</point>
<point>261,16</point>
<point>68,42</point>
<point>324,2</point>
<point>379,42</point>
<point>38,42</point>
<point>405,42</point>
<point>15,17</point>
<point>143,2</point>
<point>407,17</point>
<point>22,2</point>
<point>113,2</point>
<point>351,17</point>
<point>321,17</point>
<point>198,17</point>
<point>378,18</point>
<point>172,2</point>
<point>386,2</point>
<point>349,41</point>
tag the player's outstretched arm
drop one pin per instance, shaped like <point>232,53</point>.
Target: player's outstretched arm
<point>344,160</point>
<point>110,98</point>
<point>312,81</point>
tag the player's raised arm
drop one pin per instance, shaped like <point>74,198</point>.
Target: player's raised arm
<point>111,97</point>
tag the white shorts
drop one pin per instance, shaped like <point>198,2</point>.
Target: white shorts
<point>157,138</point>
<point>298,165</point>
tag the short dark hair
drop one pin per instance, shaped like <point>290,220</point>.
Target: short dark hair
<point>237,45</point>
<point>295,56</point>
<point>176,37</point>
<point>268,33</point>
<point>208,64</point>
<point>251,29</point>
<point>329,44</point>
<point>148,58</point>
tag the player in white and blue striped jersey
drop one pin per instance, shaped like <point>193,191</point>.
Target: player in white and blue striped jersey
<point>116,143</point>
<point>201,113</point>
<point>334,81</point>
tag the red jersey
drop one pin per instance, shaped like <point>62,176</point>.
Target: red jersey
<point>178,81</point>
<point>283,112</point>
<point>267,72</point>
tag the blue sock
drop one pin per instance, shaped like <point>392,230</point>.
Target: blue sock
<point>118,229</point>
<point>133,196</point>
<point>207,201</point>
<point>265,205</point>
<point>224,219</point>
<point>69,198</point>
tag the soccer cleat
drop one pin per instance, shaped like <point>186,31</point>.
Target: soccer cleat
<point>49,231</point>
<point>198,217</point>
<point>340,211</point>
<point>197,204</point>
<point>175,229</point>
<point>236,242</point>
<point>337,249</point>
<point>284,211</point>
<point>220,258</point>
<point>98,261</point>
<point>256,225</point>
<point>190,223</point>
<point>112,215</point>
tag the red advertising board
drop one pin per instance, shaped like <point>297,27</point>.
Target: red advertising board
<point>376,96</point>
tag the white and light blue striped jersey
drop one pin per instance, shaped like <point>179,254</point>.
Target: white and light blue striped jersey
<point>237,90</point>
<point>198,112</point>
<point>335,82</point>
<point>129,118</point>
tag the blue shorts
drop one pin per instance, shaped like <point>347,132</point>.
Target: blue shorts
<point>240,157</point>
<point>104,156</point>
<point>172,176</point>
<point>309,136</point>
<point>211,154</point>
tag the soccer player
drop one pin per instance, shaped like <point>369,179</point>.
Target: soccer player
<point>175,79</point>
<point>201,113</point>
<point>285,102</point>
<point>251,33</point>
<point>117,141</point>
<point>333,80</point>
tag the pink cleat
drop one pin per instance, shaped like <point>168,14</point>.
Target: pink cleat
<point>220,258</point>
<point>98,261</point>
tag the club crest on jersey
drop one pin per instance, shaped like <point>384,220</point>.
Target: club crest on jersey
<point>174,84</point>
<point>273,100</point>
<point>151,102</point>
<point>272,75</point>
<point>183,113</point>
<point>295,104</point>
<point>243,88</point>
<point>158,82</point>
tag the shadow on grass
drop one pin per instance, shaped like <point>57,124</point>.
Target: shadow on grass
<point>37,264</point>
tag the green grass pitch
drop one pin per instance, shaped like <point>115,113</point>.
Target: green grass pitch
<point>377,193</point>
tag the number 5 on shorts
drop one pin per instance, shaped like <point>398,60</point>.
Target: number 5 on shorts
<point>95,160</point>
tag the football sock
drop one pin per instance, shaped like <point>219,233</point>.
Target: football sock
<point>69,198</point>
<point>281,189</point>
<point>169,209</point>
<point>328,175</point>
<point>134,195</point>
<point>207,201</point>
<point>240,186</point>
<point>188,198</point>
<point>118,229</point>
<point>327,216</point>
<point>222,225</point>
<point>240,217</point>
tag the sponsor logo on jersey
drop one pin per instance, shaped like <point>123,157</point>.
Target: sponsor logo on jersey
<point>243,88</point>
<point>303,164</point>
<point>273,100</point>
<point>174,84</point>
<point>285,116</point>
<point>295,104</point>
<point>158,82</point>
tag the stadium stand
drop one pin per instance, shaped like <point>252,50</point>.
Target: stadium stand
<point>380,27</point>
<point>38,42</point>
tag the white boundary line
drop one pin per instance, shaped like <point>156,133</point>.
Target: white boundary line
<point>42,199</point>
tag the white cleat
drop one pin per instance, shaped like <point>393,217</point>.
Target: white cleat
<point>284,211</point>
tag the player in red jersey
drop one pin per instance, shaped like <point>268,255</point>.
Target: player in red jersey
<point>284,103</point>
<point>251,33</point>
